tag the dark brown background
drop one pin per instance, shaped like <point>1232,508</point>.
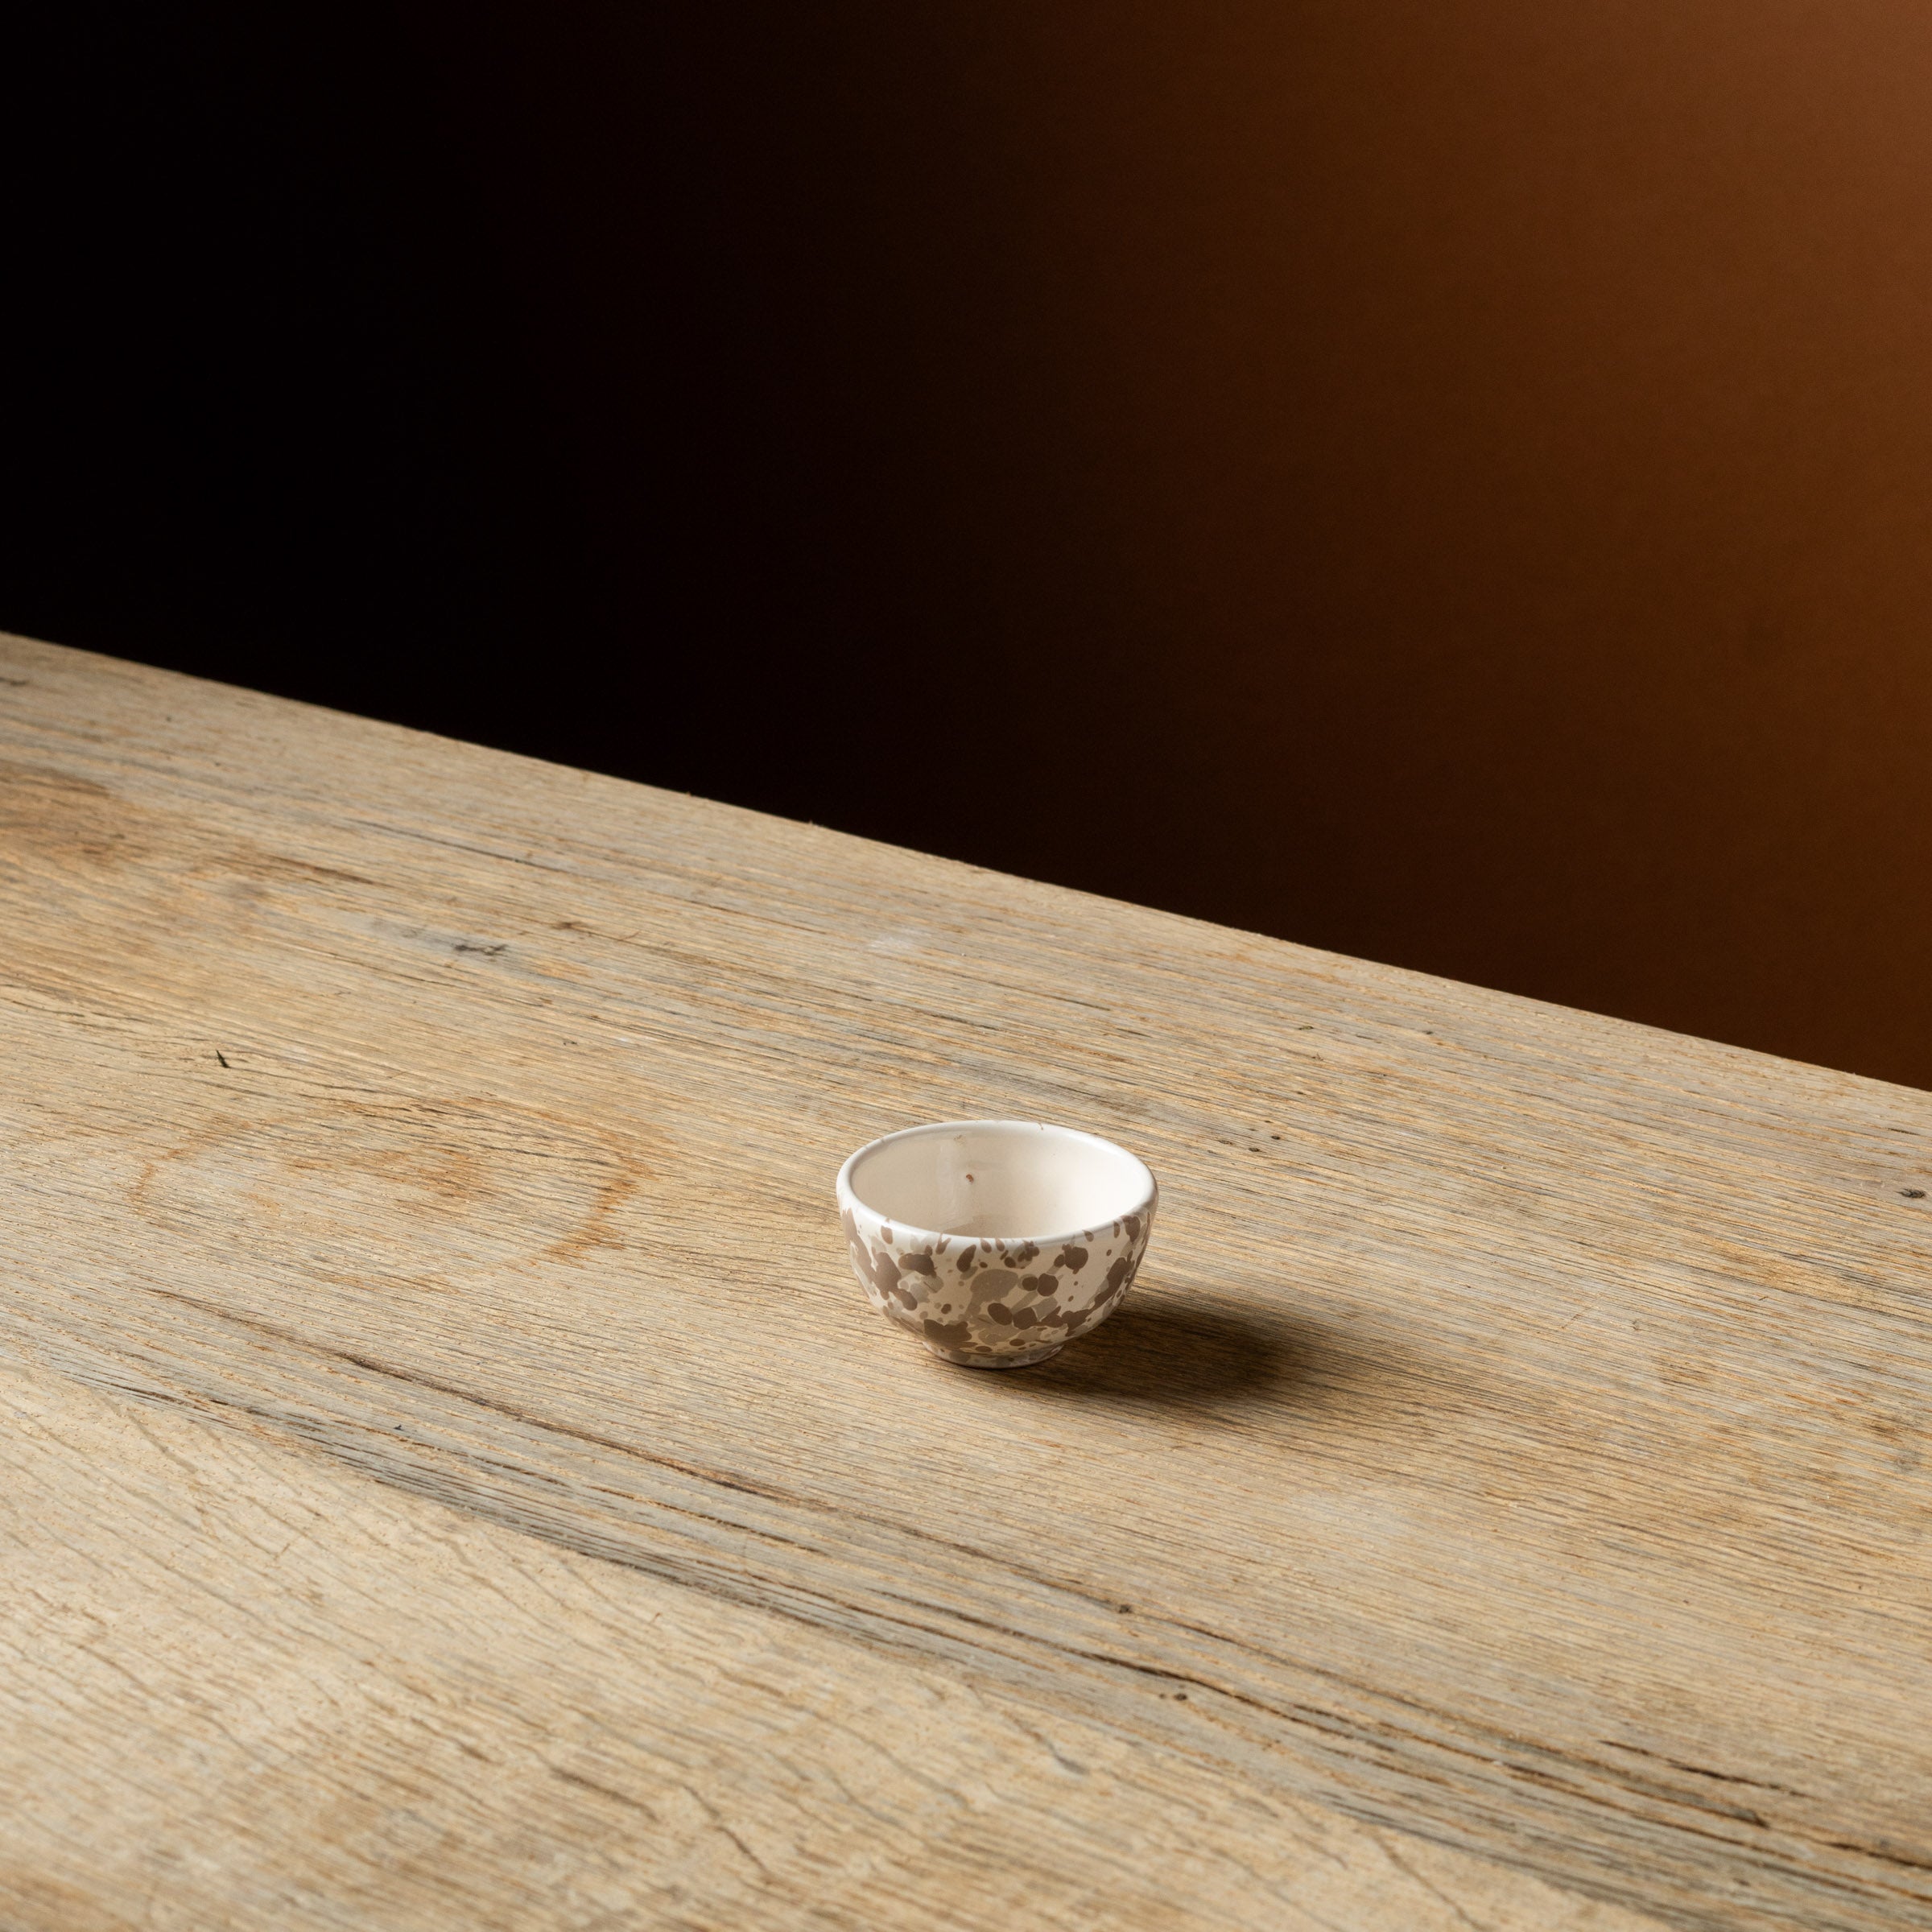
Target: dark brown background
<point>1447,482</point>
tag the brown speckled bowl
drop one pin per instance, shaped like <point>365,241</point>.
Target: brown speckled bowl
<point>996,1242</point>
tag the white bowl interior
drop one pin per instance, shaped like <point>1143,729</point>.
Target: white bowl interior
<point>1000,1178</point>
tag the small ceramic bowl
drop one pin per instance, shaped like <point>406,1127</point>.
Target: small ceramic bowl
<point>996,1242</point>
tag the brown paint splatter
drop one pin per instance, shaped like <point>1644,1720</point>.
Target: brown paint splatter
<point>1071,1258</point>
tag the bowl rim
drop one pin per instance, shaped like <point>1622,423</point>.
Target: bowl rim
<point>1143,1205</point>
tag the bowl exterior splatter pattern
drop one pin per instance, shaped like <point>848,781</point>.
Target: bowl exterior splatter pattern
<point>993,1303</point>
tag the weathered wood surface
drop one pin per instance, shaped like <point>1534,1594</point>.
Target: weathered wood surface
<point>450,1479</point>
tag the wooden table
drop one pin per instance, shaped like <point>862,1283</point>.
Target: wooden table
<point>451,1480</point>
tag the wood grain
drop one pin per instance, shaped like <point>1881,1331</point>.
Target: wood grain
<point>1501,1503</point>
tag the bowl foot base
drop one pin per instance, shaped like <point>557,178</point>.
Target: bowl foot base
<point>1024,1358</point>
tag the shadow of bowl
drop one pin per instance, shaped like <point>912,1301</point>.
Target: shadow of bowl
<point>1162,1350</point>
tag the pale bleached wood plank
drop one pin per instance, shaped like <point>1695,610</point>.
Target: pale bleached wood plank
<point>1522,1449</point>
<point>245,1689</point>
